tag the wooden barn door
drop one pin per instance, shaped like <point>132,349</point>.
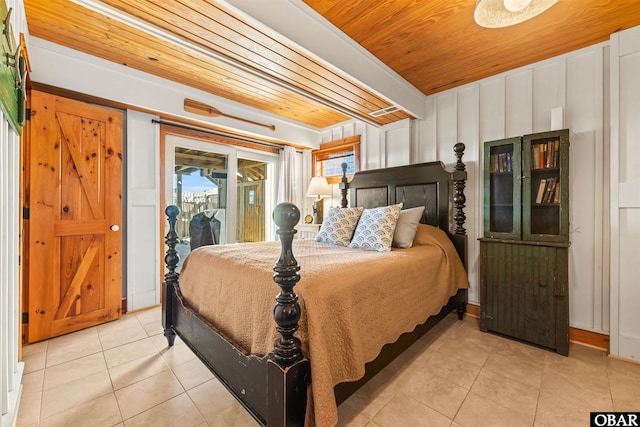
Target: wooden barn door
<point>75,218</point>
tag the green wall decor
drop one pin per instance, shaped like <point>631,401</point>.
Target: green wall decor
<point>12,73</point>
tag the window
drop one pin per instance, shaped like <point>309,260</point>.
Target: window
<point>328,159</point>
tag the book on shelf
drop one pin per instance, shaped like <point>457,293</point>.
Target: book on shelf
<point>556,195</point>
<point>556,153</point>
<point>549,155</point>
<point>552,189</point>
<point>541,187</point>
<point>541,150</point>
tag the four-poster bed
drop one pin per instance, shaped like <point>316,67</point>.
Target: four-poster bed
<point>317,339</point>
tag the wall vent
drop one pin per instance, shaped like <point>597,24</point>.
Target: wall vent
<point>384,111</point>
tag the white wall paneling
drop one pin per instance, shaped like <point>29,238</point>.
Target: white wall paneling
<point>143,211</point>
<point>516,103</point>
<point>10,211</point>
<point>520,102</point>
<point>625,197</point>
<point>395,140</point>
<point>519,92</point>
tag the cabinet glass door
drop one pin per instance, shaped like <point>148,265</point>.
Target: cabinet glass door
<point>502,166</point>
<point>545,194</point>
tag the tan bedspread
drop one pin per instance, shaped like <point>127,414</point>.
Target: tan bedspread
<point>353,301</point>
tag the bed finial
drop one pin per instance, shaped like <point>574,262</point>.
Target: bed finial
<point>344,185</point>
<point>287,311</point>
<point>458,198</point>
<point>171,259</point>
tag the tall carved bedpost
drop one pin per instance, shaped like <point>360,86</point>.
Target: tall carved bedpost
<point>344,186</point>
<point>459,199</point>
<point>171,277</point>
<point>287,368</point>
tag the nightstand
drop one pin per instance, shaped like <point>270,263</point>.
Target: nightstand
<point>308,231</point>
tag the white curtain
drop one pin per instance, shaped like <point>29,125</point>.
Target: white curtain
<point>289,168</point>
<point>295,174</point>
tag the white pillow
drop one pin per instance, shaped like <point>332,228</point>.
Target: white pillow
<point>406,227</point>
<point>375,228</point>
<point>337,227</point>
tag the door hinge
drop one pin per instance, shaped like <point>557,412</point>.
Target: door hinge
<point>27,114</point>
<point>25,318</point>
<point>25,213</point>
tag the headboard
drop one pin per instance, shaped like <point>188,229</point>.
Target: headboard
<point>431,185</point>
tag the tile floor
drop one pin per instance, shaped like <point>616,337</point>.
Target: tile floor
<point>123,374</point>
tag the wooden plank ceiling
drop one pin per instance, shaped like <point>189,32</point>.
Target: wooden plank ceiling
<point>227,56</point>
<point>433,44</point>
<point>436,45</point>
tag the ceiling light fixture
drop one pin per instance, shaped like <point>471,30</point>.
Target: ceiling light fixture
<point>504,13</point>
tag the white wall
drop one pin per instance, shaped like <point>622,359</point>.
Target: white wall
<point>625,193</point>
<point>10,369</point>
<point>511,104</point>
<point>143,211</point>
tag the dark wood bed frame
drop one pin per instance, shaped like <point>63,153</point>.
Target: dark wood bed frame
<point>273,388</point>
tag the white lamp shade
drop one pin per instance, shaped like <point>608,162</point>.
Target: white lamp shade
<point>318,187</point>
<point>503,13</point>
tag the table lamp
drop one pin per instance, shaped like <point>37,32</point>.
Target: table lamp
<point>318,187</point>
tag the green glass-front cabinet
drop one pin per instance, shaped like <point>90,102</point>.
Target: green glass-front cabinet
<point>524,252</point>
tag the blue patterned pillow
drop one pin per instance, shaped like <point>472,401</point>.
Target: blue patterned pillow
<point>337,227</point>
<point>375,228</point>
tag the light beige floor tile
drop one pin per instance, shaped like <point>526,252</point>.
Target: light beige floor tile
<point>625,391</point>
<point>397,373</point>
<point>73,370</point>
<point>403,411</point>
<point>128,352</point>
<point>33,381</point>
<point>153,328</point>
<point>178,411</point>
<point>531,354</point>
<point>89,334</point>
<point>72,346</point>
<point>516,368</point>
<point>177,355</point>
<point>211,398</point>
<point>236,416</point>
<point>124,331</point>
<point>146,394</point>
<point>565,411</point>
<point>478,411</point>
<point>160,341</point>
<point>573,377</point>
<point>29,410</point>
<point>471,349</point>
<point>38,347</point>
<point>74,393</point>
<point>149,315</point>
<point>459,371</point>
<point>507,392</point>
<point>593,356</point>
<point>192,373</point>
<point>623,367</point>
<point>350,415</point>
<point>137,370</point>
<point>436,392</point>
<point>101,412</point>
<point>372,397</point>
<point>34,362</point>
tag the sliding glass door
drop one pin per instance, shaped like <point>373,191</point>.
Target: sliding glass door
<point>225,194</point>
